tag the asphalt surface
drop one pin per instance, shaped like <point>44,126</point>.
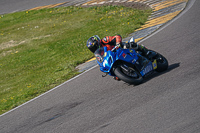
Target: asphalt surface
<point>167,102</point>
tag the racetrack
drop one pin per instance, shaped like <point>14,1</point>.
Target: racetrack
<point>166,102</point>
<point>7,6</point>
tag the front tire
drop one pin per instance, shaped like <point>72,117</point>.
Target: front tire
<point>133,78</point>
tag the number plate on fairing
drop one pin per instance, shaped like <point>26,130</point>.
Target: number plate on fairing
<point>154,64</point>
<point>150,67</point>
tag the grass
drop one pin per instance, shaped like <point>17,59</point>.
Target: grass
<point>40,49</point>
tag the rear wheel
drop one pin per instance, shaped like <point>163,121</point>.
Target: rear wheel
<point>128,74</point>
<point>162,63</point>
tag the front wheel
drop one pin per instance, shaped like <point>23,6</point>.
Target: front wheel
<point>128,75</point>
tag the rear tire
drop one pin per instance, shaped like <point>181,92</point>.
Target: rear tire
<point>162,63</point>
<point>128,78</point>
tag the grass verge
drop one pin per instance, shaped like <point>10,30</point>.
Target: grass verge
<point>40,49</point>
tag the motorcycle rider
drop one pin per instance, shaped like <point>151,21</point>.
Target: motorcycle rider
<point>94,42</point>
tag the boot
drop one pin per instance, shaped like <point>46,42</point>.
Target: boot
<point>144,50</point>
<point>137,47</point>
<point>149,54</point>
<point>116,78</point>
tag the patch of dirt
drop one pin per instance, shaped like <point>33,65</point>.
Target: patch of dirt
<point>135,5</point>
<point>8,44</point>
<point>13,43</point>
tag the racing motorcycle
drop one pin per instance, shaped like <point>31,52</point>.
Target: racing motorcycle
<point>128,65</point>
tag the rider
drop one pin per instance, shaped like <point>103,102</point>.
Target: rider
<point>94,42</point>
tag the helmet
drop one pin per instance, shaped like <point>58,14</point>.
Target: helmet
<point>93,43</point>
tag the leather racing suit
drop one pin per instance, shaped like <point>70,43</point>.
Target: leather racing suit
<point>111,41</point>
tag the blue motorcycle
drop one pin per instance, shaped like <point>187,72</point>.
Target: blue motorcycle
<point>128,65</point>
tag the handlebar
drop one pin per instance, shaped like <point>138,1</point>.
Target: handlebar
<point>116,47</point>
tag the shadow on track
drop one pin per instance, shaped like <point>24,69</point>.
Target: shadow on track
<point>156,74</point>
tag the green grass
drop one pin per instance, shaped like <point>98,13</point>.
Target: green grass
<point>40,49</point>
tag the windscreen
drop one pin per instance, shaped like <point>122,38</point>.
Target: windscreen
<point>99,54</point>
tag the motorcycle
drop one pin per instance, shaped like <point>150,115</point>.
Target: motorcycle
<point>128,65</point>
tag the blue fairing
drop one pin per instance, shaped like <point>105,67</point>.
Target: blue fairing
<point>106,59</point>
